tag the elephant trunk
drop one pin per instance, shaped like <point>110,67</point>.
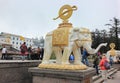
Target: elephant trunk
<point>91,50</point>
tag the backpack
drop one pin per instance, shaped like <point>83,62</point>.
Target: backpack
<point>106,65</point>
<point>71,57</point>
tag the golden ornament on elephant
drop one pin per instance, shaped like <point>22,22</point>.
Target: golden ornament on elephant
<point>112,51</point>
<point>65,12</point>
<point>112,45</point>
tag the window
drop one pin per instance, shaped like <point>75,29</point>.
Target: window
<point>13,38</point>
<point>17,38</point>
<point>13,42</point>
<point>16,42</point>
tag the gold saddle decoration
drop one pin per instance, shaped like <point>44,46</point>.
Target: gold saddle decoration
<point>60,37</point>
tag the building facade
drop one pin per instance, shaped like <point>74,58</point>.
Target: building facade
<point>15,40</point>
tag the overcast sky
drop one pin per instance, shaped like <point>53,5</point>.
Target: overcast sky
<point>34,18</point>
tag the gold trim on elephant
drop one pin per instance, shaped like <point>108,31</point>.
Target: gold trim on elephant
<point>84,30</point>
<point>85,40</point>
<point>60,37</point>
<point>112,45</point>
<point>63,67</point>
<point>65,25</point>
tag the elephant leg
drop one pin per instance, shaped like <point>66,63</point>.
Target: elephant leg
<point>47,55</point>
<point>48,49</point>
<point>58,54</point>
<point>77,55</point>
<point>66,54</point>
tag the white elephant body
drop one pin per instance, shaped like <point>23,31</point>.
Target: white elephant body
<point>77,37</point>
<point>49,48</point>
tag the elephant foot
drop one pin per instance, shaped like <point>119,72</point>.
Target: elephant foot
<point>58,62</point>
<point>45,62</point>
<point>67,63</point>
<point>78,63</point>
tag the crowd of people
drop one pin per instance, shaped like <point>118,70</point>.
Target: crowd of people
<point>32,54</point>
<point>28,53</point>
<point>99,62</point>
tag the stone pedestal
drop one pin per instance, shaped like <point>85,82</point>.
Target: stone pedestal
<point>16,71</point>
<point>40,75</point>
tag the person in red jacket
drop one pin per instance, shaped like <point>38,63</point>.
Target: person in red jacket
<point>103,69</point>
<point>23,49</point>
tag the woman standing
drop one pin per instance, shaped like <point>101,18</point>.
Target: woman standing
<point>96,63</point>
<point>103,69</point>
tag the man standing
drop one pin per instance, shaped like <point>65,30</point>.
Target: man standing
<point>84,57</point>
<point>38,53</point>
<point>29,52</point>
<point>96,63</point>
<point>41,53</point>
<point>4,52</point>
<point>111,60</point>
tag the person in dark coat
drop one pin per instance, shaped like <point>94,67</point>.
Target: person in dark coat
<point>38,53</point>
<point>96,63</point>
<point>29,52</point>
<point>41,53</point>
<point>84,57</point>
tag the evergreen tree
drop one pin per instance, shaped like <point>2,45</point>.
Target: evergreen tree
<point>115,31</point>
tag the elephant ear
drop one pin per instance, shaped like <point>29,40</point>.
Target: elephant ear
<point>74,34</point>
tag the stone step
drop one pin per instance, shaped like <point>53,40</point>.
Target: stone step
<point>18,57</point>
<point>98,79</point>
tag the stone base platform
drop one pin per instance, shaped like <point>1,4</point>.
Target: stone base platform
<point>40,75</point>
<point>16,71</point>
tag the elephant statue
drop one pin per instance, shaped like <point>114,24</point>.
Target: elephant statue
<point>117,54</point>
<point>77,37</point>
